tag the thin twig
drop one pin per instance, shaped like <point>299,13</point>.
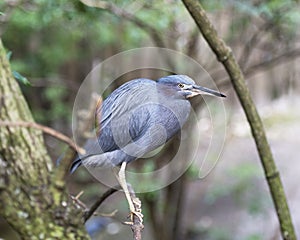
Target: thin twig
<point>111,214</point>
<point>47,130</point>
<point>97,204</point>
<point>79,203</point>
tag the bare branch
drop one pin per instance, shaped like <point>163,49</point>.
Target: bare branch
<point>47,130</point>
<point>97,204</point>
<point>270,63</point>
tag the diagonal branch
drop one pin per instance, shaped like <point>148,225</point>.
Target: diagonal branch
<point>225,56</point>
<point>47,130</point>
<point>97,204</point>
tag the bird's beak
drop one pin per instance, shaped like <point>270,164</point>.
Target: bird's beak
<point>197,90</point>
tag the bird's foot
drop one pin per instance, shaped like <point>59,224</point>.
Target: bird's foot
<point>137,203</point>
<point>132,214</point>
<point>135,211</point>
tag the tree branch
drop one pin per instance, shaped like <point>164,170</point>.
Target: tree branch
<point>47,130</point>
<point>225,56</point>
<point>270,63</point>
<point>97,204</point>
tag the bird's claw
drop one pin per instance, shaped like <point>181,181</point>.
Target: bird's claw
<point>138,214</point>
<point>137,211</point>
<point>138,204</point>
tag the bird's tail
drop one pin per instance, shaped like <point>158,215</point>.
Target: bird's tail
<point>75,164</point>
<point>91,148</point>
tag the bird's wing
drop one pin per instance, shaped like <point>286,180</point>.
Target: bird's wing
<point>119,116</point>
<point>125,98</point>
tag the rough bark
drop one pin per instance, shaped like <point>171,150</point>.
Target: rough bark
<point>32,201</point>
<point>225,55</point>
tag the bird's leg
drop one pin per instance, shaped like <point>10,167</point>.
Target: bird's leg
<point>123,183</point>
<point>122,180</point>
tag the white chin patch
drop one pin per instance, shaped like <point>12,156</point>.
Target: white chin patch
<point>193,94</point>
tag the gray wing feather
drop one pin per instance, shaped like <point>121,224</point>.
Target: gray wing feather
<point>123,117</point>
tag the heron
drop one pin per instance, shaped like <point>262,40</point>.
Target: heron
<point>137,118</point>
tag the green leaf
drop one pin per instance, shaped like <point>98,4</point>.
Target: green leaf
<point>21,78</point>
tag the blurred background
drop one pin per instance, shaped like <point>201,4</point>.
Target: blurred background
<point>53,45</point>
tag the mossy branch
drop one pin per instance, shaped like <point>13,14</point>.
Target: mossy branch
<point>225,56</point>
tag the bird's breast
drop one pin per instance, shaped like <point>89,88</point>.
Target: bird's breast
<point>171,116</point>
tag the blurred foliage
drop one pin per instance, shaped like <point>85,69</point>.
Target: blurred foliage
<point>254,237</point>
<point>282,16</point>
<point>54,45</point>
<point>55,42</point>
<point>240,186</point>
<point>209,233</point>
<point>46,37</point>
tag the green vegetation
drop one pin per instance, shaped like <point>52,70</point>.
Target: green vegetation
<point>53,45</point>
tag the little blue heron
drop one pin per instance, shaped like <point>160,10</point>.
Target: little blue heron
<point>138,117</point>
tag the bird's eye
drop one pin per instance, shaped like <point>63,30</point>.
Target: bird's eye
<point>180,85</point>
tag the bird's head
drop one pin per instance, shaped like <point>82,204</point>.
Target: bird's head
<point>186,87</point>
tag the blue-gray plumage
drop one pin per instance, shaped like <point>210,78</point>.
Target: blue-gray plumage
<point>138,117</point>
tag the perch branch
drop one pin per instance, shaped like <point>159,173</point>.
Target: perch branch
<point>225,56</point>
<point>137,226</point>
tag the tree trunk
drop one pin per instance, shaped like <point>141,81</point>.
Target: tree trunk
<point>33,202</point>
